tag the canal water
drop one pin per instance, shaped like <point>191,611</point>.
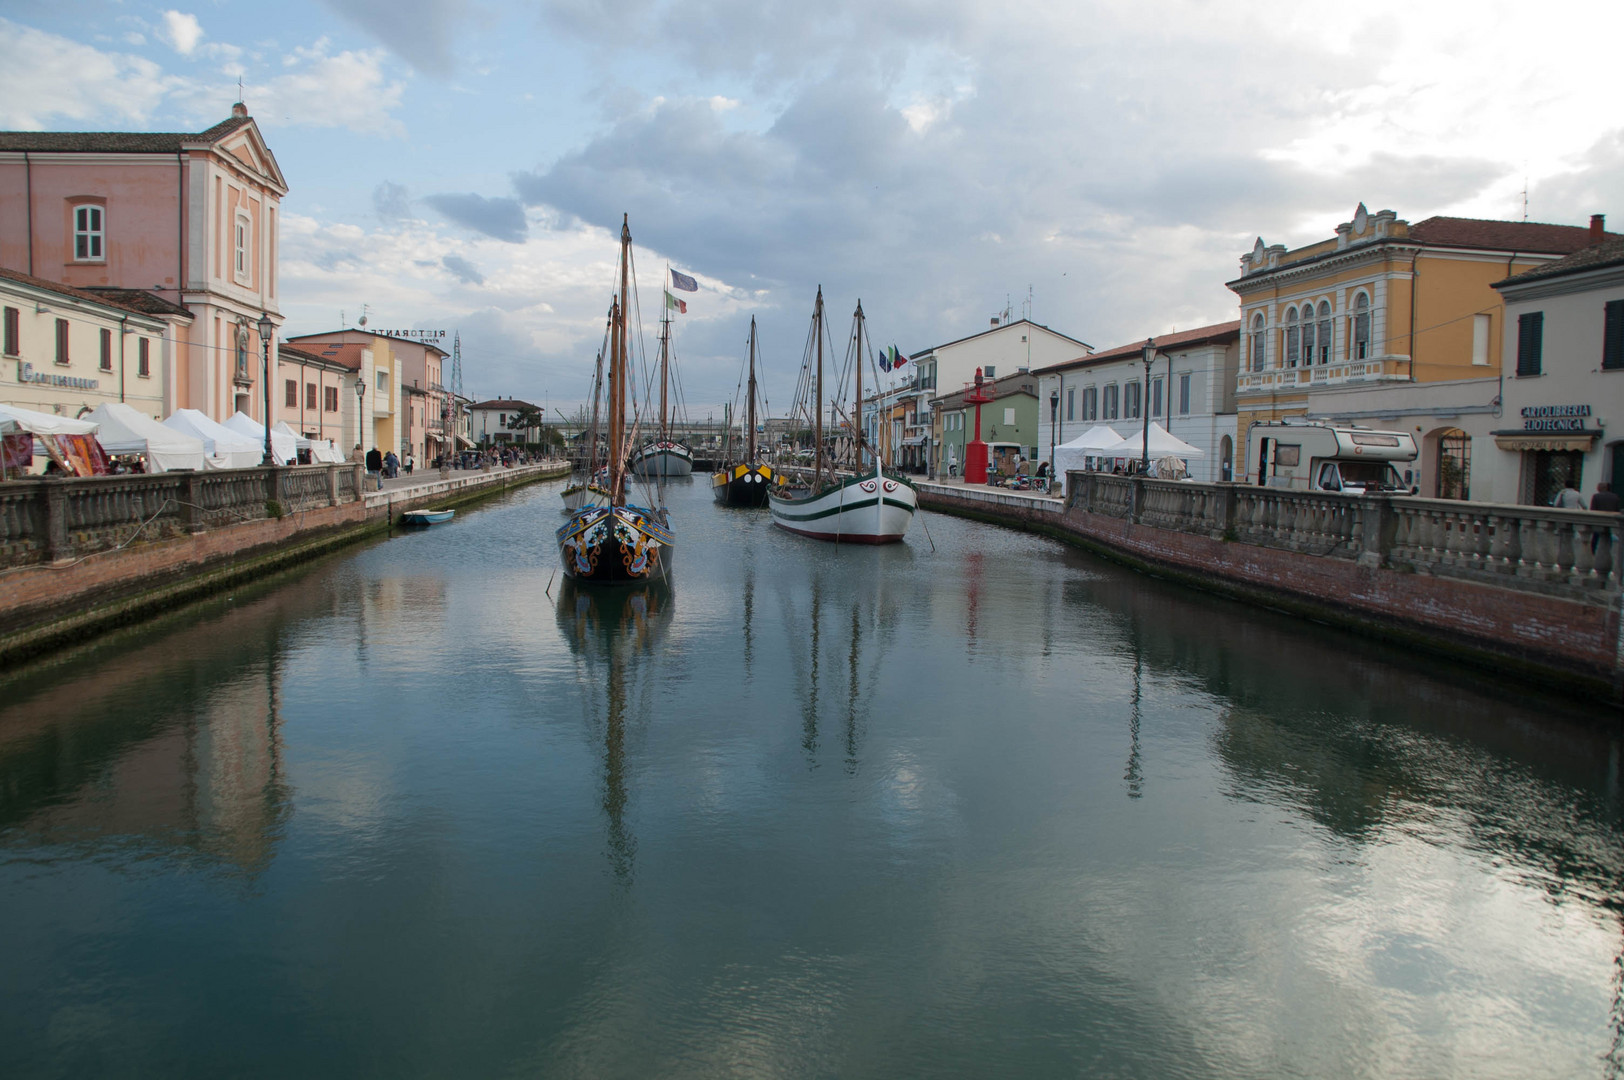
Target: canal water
<point>974,805</point>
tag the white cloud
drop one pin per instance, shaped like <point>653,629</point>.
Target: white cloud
<point>49,79</point>
<point>348,90</point>
<point>181,31</point>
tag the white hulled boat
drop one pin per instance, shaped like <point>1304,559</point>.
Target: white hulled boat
<point>872,507</point>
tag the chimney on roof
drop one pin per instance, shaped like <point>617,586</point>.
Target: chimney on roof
<point>1598,228</point>
<point>239,111</point>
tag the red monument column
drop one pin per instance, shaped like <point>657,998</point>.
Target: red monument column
<point>975,454</point>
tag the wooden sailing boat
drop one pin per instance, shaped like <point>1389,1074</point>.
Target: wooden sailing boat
<point>746,483</point>
<point>870,507</point>
<point>664,456</point>
<point>612,541</point>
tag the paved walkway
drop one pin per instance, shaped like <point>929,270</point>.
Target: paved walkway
<point>427,482</point>
<point>957,484</point>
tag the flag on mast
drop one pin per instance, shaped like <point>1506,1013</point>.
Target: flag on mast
<point>898,357</point>
<point>682,281</point>
<point>673,304</point>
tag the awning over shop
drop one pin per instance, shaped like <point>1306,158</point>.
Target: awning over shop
<point>465,440</point>
<point>915,440</point>
<point>1518,441</point>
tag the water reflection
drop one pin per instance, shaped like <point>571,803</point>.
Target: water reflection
<point>175,746</point>
<point>610,630</point>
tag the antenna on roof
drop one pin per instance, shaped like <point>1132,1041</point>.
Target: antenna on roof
<point>364,309</point>
<point>1525,198</point>
<point>343,321</point>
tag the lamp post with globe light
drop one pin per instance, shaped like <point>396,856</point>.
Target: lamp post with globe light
<point>265,328</point>
<point>1144,406</point>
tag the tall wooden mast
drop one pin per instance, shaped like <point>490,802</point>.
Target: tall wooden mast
<point>817,417</point>
<point>750,408</point>
<point>665,349</point>
<point>618,370</point>
<point>857,412</point>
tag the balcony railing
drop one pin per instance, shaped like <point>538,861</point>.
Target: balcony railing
<point>1375,369</point>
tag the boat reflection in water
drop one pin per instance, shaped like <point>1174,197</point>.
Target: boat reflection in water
<point>611,632</point>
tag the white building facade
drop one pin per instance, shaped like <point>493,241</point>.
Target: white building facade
<point>1191,392</point>
<point>1562,415</point>
<point>1005,348</point>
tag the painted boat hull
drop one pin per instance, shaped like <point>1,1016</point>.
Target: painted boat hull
<point>664,459</point>
<point>426,517</point>
<point>616,545</point>
<point>870,509</point>
<point>743,485</point>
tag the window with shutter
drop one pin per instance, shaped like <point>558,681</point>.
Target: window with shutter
<point>13,343</point>
<point>107,350</point>
<point>143,358</point>
<point>1530,342</point>
<point>1612,345</point>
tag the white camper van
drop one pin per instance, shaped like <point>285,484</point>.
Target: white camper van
<point>1306,455</point>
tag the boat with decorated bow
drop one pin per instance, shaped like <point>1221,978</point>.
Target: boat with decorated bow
<point>745,482</point>
<point>867,505</point>
<point>611,540</point>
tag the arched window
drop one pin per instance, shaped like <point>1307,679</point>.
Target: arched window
<point>1361,327</point>
<point>1325,332</point>
<point>1293,342</point>
<point>1308,335</point>
<point>1257,341</point>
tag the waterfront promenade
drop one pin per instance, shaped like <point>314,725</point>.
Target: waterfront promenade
<point>1522,590</point>
<point>83,555</point>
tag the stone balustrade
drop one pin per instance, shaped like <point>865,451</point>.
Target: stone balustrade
<point>51,519</point>
<point>1559,552</point>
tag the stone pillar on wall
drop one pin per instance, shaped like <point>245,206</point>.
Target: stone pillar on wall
<point>1376,525</point>
<point>57,546</point>
<point>192,512</point>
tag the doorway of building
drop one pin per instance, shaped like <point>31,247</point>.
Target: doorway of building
<point>1454,472</point>
<point>1226,459</point>
<point>1547,472</point>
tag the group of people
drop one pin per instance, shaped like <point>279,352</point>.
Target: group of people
<point>385,466</point>
<point>1569,498</point>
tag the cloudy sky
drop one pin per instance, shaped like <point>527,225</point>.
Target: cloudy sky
<point>464,163</point>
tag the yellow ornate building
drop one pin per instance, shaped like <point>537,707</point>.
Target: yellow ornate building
<point>1380,307</point>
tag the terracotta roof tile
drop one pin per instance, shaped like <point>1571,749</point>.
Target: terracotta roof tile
<point>1609,252</point>
<point>85,294</point>
<point>504,403</point>
<point>141,300</point>
<point>115,142</point>
<point>1200,335</point>
<point>1530,236</point>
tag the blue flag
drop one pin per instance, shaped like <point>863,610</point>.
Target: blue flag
<point>682,281</point>
<point>885,362</point>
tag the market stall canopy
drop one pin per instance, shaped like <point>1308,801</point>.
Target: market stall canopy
<point>1162,444</point>
<point>14,420</point>
<point>284,447</point>
<point>322,451</point>
<point>1075,454</point>
<point>226,448</point>
<point>124,429</point>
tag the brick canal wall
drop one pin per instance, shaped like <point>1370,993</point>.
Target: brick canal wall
<point>1514,589</point>
<point>81,556</point>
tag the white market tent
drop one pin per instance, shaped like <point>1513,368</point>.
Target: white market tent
<point>124,429</point>
<point>1162,444</point>
<point>284,447</point>
<point>226,448</point>
<point>14,419</point>
<point>322,451</point>
<point>1075,453</point>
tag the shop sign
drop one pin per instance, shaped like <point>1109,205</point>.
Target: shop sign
<point>414,335</point>
<point>1555,417</point>
<point>27,374</point>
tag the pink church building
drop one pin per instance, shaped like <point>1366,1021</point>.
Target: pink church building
<point>190,218</point>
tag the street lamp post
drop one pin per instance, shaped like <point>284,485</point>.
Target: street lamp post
<point>360,413</point>
<point>1144,406</point>
<point>1054,414</point>
<point>265,328</point>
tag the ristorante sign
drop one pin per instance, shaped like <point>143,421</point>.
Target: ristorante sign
<point>1555,417</point>
<point>414,335</point>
